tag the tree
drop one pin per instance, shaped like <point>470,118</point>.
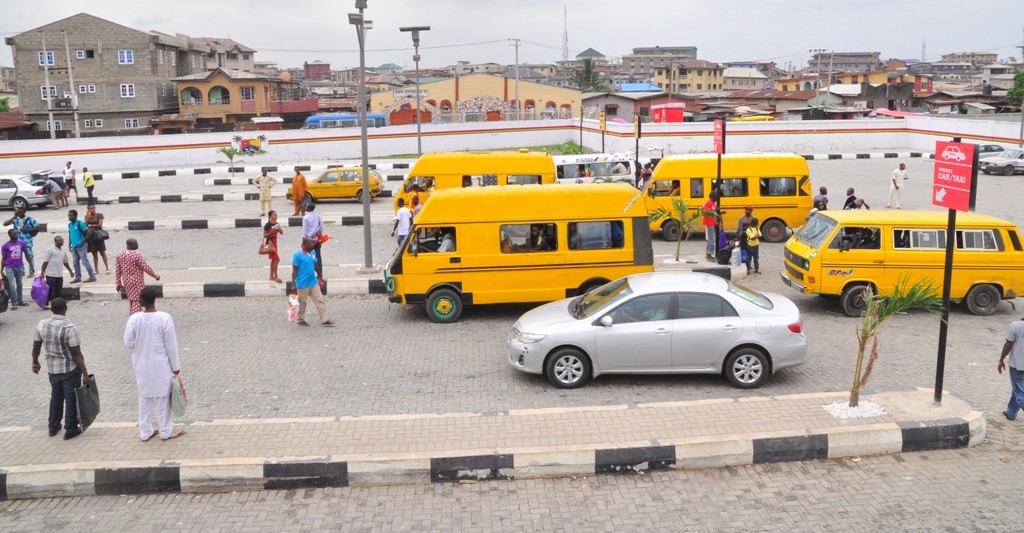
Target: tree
<point>587,79</point>
<point>231,153</point>
<point>1015,94</point>
<point>683,217</point>
<point>877,310</point>
<point>5,105</point>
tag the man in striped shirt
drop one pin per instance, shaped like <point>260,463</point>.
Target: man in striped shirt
<point>59,338</point>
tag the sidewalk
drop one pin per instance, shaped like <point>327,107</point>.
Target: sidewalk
<point>254,454</point>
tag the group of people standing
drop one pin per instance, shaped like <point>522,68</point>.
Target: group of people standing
<point>61,186</point>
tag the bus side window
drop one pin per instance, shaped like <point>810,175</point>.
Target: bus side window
<point>696,187</point>
<point>777,186</point>
<point>523,180</point>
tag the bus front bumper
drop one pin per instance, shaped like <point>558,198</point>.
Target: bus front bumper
<point>790,282</point>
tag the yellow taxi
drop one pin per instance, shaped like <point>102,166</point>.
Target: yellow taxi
<point>342,182</point>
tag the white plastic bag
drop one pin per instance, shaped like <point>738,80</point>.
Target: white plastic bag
<point>293,307</point>
<point>734,259</point>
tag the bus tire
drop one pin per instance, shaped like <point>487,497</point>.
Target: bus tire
<point>590,285</point>
<point>773,230</point>
<point>852,299</point>
<point>444,306</point>
<point>670,231</point>
<point>983,300</point>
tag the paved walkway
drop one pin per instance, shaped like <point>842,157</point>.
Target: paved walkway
<point>226,455</point>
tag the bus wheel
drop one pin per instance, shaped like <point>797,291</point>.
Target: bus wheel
<point>444,306</point>
<point>670,231</point>
<point>852,300</point>
<point>983,300</point>
<point>590,285</point>
<point>773,230</point>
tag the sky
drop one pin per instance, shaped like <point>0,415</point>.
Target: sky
<point>295,31</point>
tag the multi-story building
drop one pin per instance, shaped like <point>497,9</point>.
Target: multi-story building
<point>597,58</point>
<point>743,79</point>
<point>7,79</point>
<point>316,71</point>
<point>642,63</point>
<point>692,75</point>
<point>115,77</point>
<point>226,54</point>
<point>845,61</point>
<point>222,96</point>
<point>976,59</point>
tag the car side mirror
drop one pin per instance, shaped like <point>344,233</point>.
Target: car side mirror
<point>607,321</point>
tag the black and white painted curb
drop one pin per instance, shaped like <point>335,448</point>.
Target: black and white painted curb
<point>225,475</point>
<point>239,289</point>
<point>210,223</point>
<point>248,170</point>
<point>405,165</point>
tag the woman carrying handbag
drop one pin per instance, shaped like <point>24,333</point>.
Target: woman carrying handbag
<point>269,247</point>
<point>97,237</point>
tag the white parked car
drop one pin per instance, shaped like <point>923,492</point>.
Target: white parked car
<point>23,191</point>
<point>1006,163</point>
<point>661,323</point>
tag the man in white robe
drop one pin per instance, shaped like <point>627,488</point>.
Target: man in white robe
<point>150,335</point>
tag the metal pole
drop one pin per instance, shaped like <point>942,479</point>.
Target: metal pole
<point>947,280</point>
<point>71,82</point>
<point>46,80</point>
<point>361,27</point>
<point>416,58</point>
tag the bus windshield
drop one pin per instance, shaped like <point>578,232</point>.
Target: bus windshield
<point>816,230</point>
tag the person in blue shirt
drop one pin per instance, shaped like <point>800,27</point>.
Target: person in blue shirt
<point>27,227</point>
<point>79,247</point>
<point>307,283</point>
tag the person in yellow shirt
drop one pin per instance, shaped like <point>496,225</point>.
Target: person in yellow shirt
<point>299,188</point>
<point>89,183</point>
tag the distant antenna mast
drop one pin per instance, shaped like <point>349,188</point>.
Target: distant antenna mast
<point>924,47</point>
<point>565,33</point>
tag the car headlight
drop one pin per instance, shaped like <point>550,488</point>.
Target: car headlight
<point>530,337</point>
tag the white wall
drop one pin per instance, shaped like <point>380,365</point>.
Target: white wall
<point>313,146</point>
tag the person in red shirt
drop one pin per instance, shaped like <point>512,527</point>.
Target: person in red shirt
<point>710,209</point>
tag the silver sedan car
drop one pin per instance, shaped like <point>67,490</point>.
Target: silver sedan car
<point>661,323</point>
<point>23,192</point>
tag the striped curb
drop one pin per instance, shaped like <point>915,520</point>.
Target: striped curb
<point>210,182</point>
<point>212,223</point>
<point>404,166</point>
<point>198,171</point>
<point>194,197</point>
<point>236,289</point>
<point>226,475</point>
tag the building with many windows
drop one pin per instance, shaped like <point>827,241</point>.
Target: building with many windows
<point>641,64</point>
<point>226,54</point>
<point>976,59</point>
<point>845,61</point>
<point>116,78</point>
<point>693,75</point>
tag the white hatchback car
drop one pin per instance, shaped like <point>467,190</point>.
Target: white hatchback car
<point>661,323</point>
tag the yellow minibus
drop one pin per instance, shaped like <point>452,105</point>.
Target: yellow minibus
<point>839,253</point>
<point>518,244</point>
<point>447,170</point>
<point>778,186</point>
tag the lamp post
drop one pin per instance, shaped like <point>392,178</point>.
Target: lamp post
<point>416,59</point>
<point>357,20</point>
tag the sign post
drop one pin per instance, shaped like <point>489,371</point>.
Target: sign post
<point>719,139</point>
<point>954,186</point>
<point>604,126</point>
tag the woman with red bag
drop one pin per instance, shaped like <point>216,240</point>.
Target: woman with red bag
<point>270,232</point>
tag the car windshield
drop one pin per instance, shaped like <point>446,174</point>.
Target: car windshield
<point>751,296</point>
<point>1010,154</point>
<point>593,302</point>
<point>816,230</point>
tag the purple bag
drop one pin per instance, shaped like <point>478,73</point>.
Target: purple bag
<point>723,241</point>
<point>40,291</point>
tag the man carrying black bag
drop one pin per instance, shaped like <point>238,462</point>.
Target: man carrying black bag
<point>65,365</point>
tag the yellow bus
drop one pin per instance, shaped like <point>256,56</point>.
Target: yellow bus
<point>839,253</point>
<point>446,170</point>
<point>518,244</point>
<point>778,186</point>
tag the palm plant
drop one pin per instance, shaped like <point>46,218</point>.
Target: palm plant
<point>231,153</point>
<point>683,218</point>
<point>877,310</point>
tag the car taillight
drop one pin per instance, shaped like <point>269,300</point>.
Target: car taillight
<point>796,327</point>
<point>40,192</point>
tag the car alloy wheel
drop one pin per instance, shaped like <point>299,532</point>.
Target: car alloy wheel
<point>567,368</point>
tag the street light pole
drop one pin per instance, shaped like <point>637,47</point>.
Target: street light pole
<point>416,58</point>
<point>361,24</point>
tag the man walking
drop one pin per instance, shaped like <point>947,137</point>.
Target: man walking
<point>306,283</point>
<point>151,337</point>
<point>65,364</point>
<point>129,274</point>
<point>89,182</point>
<point>896,186</point>
<point>69,182</point>
<point>79,247</point>
<point>264,183</point>
<point>299,188</point>
<point>313,229</point>
<point>52,261</point>
<point>403,220</point>
<point>27,227</point>
<point>13,254</point>
<point>1014,347</point>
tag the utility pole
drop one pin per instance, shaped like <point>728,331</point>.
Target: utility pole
<point>816,54</point>
<point>565,34</point>
<point>516,43</point>
<point>71,82</point>
<point>46,80</point>
<point>1020,138</point>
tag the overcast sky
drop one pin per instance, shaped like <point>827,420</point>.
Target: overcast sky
<point>290,32</point>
